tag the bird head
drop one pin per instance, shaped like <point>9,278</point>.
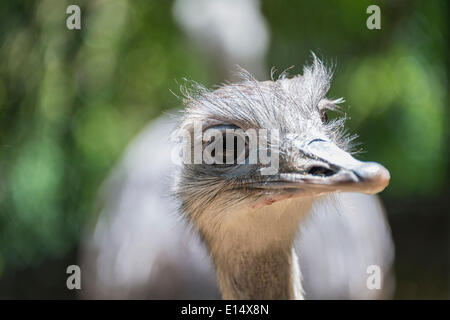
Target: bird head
<point>256,143</point>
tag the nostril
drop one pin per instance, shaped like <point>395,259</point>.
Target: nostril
<point>320,171</point>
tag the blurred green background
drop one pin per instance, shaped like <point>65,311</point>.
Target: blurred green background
<point>71,101</point>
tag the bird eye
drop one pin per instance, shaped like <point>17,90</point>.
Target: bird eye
<point>227,147</point>
<point>234,148</point>
<point>324,117</point>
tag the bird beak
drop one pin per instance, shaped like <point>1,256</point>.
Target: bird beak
<point>331,169</point>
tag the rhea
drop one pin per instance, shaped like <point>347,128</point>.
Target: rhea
<point>248,219</point>
<point>240,219</point>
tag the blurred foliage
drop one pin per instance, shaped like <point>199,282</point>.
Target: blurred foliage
<point>71,101</point>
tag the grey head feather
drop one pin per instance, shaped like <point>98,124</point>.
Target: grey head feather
<point>289,104</point>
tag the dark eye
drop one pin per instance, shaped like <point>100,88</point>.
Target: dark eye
<point>234,147</point>
<point>324,117</point>
<point>229,146</point>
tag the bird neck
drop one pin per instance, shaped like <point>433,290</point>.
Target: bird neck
<point>252,250</point>
<point>271,274</point>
